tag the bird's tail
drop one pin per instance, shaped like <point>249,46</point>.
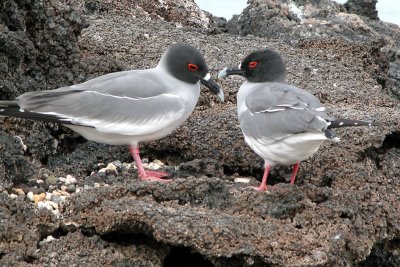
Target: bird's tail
<point>339,123</point>
<point>7,103</point>
<point>5,107</point>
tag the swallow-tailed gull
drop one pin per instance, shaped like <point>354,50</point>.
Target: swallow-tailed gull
<point>127,107</point>
<point>280,122</point>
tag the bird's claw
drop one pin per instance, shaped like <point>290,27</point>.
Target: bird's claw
<point>154,176</point>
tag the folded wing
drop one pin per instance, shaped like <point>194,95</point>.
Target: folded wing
<point>123,103</point>
<point>277,111</point>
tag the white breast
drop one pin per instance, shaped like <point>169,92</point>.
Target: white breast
<point>288,150</point>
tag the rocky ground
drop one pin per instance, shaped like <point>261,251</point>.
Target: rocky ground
<point>68,201</point>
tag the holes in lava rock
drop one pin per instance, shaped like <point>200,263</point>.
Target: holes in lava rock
<point>44,160</point>
<point>30,259</point>
<point>126,239</point>
<point>183,257</point>
<point>347,214</point>
<point>298,226</point>
<point>59,232</point>
<point>391,141</point>
<point>383,254</point>
<point>381,81</point>
<point>327,180</point>
<point>67,145</point>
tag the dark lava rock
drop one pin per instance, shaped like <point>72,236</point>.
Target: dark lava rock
<point>21,228</point>
<point>365,8</point>
<point>38,46</point>
<point>15,168</point>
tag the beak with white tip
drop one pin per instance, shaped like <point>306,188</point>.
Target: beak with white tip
<point>231,71</point>
<point>213,86</point>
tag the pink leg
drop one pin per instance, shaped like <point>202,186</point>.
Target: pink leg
<point>295,169</point>
<point>263,185</point>
<point>146,175</point>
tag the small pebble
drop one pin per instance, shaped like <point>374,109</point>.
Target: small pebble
<point>52,188</point>
<point>48,195</point>
<point>63,188</point>
<point>96,185</point>
<point>117,164</point>
<point>38,198</point>
<point>30,196</point>
<point>51,180</point>
<point>158,162</point>
<point>58,199</point>
<point>56,192</point>
<point>39,181</point>
<point>57,213</point>
<point>46,240</point>
<point>127,165</point>
<point>53,204</point>
<point>70,180</point>
<point>111,168</point>
<point>37,190</point>
<point>19,191</point>
<point>101,165</point>
<point>242,180</point>
<point>59,192</point>
<point>44,205</point>
<point>13,196</point>
<point>71,188</point>
<point>62,179</point>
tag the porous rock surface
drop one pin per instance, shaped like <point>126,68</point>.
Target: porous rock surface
<point>343,210</point>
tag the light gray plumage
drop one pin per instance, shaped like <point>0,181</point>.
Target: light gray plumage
<point>125,107</point>
<point>280,122</point>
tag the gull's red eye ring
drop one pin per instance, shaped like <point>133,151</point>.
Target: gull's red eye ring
<point>253,65</point>
<point>192,67</point>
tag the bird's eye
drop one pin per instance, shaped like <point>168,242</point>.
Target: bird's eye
<point>192,67</point>
<point>253,65</point>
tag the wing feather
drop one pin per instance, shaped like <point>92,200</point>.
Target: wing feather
<point>278,111</point>
<point>131,102</point>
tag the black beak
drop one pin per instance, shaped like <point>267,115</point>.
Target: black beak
<point>213,86</point>
<point>231,71</point>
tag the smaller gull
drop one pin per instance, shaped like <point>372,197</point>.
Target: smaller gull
<point>127,107</point>
<point>280,122</point>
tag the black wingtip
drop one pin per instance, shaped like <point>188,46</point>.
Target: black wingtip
<point>339,123</point>
<point>17,112</point>
<point>7,103</point>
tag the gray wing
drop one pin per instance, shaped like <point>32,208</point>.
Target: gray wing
<point>280,110</point>
<point>124,102</point>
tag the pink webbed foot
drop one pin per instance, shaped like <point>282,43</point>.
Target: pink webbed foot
<point>156,174</point>
<point>259,188</point>
<point>148,177</point>
<point>263,186</point>
<point>143,174</point>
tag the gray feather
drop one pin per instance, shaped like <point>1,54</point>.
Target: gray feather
<point>278,110</point>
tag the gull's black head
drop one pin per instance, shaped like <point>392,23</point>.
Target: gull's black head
<point>260,66</point>
<point>187,64</point>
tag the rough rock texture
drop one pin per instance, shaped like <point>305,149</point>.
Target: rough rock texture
<point>294,20</point>
<point>365,8</point>
<point>343,210</point>
<point>38,46</point>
